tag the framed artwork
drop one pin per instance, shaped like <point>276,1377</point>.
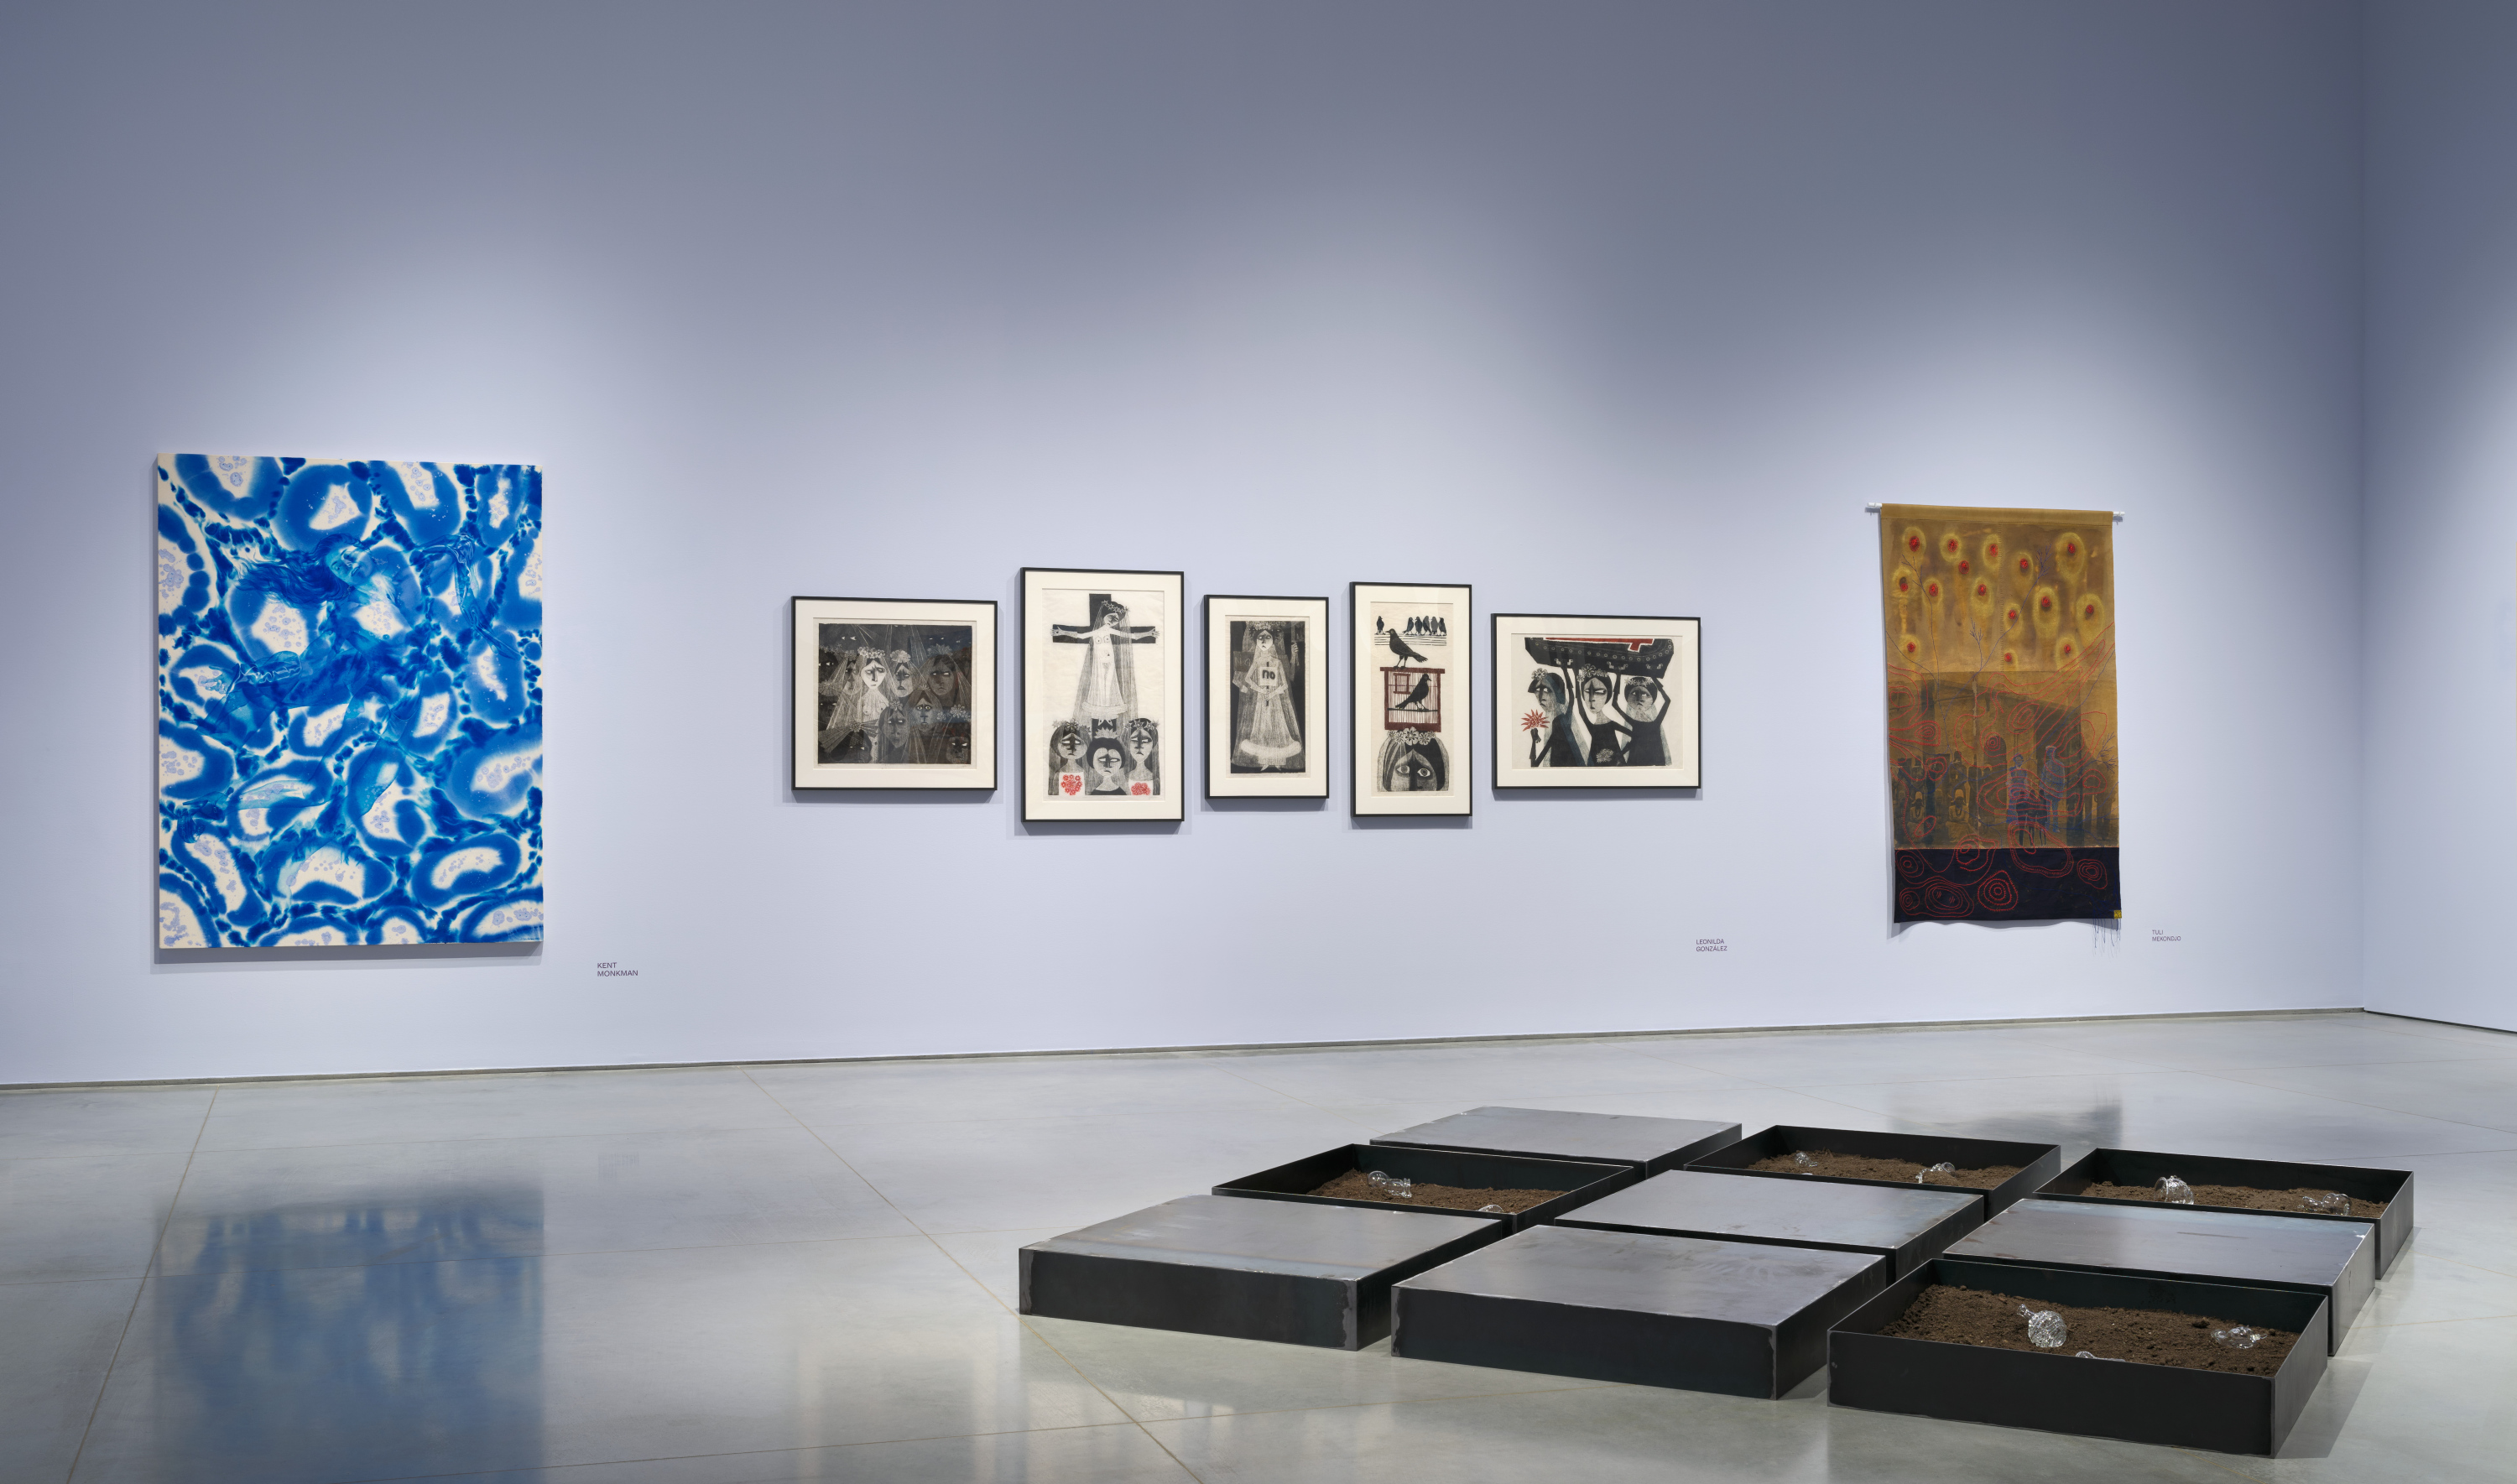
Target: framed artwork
<point>1586,700</point>
<point>1267,697</point>
<point>1411,748</point>
<point>349,702</point>
<point>893,693</point>
<point>1101,694</point>
<point>2002,749</point>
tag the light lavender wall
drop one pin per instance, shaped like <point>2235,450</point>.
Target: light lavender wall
<point>1600,307</point>
<point>2440,721</point>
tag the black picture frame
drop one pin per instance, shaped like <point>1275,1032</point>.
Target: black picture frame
<point>1317,688</point>
<point>1456,798</point>
<point>1684,714</point>
<point>1170,806</point>
<point>803,696</point>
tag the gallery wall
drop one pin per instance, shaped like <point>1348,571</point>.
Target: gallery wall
<point>2440,724</point>
<point>1602,307</point>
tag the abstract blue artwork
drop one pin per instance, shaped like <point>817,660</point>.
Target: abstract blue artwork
<point>348,702</point>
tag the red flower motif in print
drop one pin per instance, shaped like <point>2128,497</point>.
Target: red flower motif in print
<point>1141,791</point>
<point>1072,782</point>
<point>1533,721</point>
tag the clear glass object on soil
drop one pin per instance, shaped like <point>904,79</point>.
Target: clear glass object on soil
<point>2237,1337</point>
<point>2045,1327</point>
<point>1802,1161</point>
<point>2085,1356</point>
<point>2174,1191</point>
<point>2331,1202</point>
<point>1493,1210</point>
<point>1944,1167</point>
<point>1390,1187</point>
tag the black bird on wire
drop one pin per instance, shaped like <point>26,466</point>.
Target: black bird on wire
<point>1415,701</point>
<point>1398,647</point>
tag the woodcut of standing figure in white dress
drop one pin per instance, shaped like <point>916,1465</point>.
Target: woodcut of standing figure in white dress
<point>1267,734</point>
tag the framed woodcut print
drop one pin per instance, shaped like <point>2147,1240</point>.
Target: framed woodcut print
<point>1267,697</point>
<point>1101,694</point>
<point>1591,702</point>
<point>1410,746</point>
<point>894,693</point>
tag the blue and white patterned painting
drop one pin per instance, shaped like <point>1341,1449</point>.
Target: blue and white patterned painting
<point>348,702</point>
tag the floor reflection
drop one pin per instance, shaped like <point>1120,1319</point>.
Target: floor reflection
<point>393,1333</point>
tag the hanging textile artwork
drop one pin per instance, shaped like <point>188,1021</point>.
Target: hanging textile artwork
<point>2001,712</point>
<point>348,702</point>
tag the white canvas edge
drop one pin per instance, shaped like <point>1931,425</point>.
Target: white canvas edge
<point>1173,808</point>
<point>803,613</point>
<point>1220,781</point>
<point>1686,703</point>
<point>1368,805</point>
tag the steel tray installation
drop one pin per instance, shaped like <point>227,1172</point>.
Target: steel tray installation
<point>1650,1145</point>
<point>2037,1162</point>
<point>2336,1260</point>
<point>1905,1224</point>
<point>2058,1392</point>
<point>1298,1273</point>
<point>1581,1183</point>
<point>1734,1317</point>
<point>2144,1167</point>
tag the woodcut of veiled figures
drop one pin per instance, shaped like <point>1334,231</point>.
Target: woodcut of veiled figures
<point>894,693</point>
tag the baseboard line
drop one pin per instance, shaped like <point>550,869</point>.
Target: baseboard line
<point>2432,1020</point>
<point>1245,1046</point>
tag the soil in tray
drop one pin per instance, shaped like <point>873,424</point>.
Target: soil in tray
<point>2151,1336</point>
<point>1862,1167</point>
<point>1352,1186</point>
<point>2247,1197</point>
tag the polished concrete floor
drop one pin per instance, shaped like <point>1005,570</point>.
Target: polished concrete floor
<point>808,1272</point>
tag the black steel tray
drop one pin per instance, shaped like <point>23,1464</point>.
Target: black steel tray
<point>2058,1392</point>
<point>1650,1144</point>
<point>1905,1224</point>
<point>1294,1181</point>
<point>1299,1273</point>
<point>2336,1260</point>
<point>2037,1162</point>
<point>1733,1317</point>
<point>2144,1167</point>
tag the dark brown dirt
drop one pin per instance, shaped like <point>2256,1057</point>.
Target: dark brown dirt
<point>2151,1336</point>
<point>1862,1167</point>
<point>2245,1197</point>
<point>1352,1186</point>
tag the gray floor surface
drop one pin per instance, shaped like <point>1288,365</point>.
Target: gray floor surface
<point>784,1273</point>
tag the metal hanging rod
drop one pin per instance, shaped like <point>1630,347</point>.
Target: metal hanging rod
<point>1874,510</point>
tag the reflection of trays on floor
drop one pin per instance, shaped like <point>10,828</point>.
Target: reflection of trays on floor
<point>2143,1166</point>
<point>2058,1392</point>
<point>1301,1273</point>
<point>1732,1317</point>
<point>1581,1183</point>
<point>2037,1162</point>
<point>2336,1260</point>
<point>1906,1225</point>
<point>1650,1145</point>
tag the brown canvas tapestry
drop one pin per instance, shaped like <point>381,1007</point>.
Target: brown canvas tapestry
<point>2001,711</point>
